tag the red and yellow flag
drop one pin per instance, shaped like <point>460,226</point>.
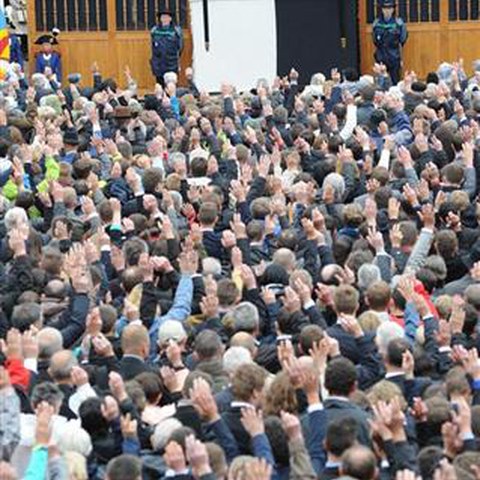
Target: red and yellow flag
<point>4,43</point>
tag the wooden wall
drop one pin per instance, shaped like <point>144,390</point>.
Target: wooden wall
<point>429,43</point>
<point>111,49</point>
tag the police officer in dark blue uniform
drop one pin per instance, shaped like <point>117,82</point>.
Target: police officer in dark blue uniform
<point>389,36</point>
<point>167,45</point>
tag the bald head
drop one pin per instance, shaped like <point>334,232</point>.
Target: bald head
<point>245,340</point>
<point>135,341</point>
<point>359,462</point>
<point>61,365</point>
<point>50,341</point>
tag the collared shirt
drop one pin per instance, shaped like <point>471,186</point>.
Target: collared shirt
<point>393,374</point>
<point>238,404</point>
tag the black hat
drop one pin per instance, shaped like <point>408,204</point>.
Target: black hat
<point>47,38</point>
<point>419,87</point>
<point>164,11</point>
<point>70,137</point>
<point>387,3</point>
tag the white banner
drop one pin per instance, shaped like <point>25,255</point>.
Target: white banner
<point>243,43</point>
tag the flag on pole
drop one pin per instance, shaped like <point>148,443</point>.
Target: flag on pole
<point>4,43</point>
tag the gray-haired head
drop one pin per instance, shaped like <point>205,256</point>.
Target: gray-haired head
<point>73,438</point>
<point>368,274</point>
<point>50,341</point>
<point>387,332</point>
<point>472,295</point>
<point>170,77</point>
<point>46,392</point>
<point>211,266</point>
<point>15,217</point>
<point>171,330</point>
<point>61,365</point>
<point>162,433</point>
<point>338,184</point>
<point>245,317</point>
<point>437,265</point>
<point>234,357</point>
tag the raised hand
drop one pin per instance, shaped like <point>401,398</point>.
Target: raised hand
<point>252,421</point>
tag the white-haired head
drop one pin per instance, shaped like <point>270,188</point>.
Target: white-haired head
<point>171,330</point>
<point>75,439</point>
<point>338,184</point>
<point>162,433</point>
<point>368,274</point>
<point>211,266</point>
<point>386,332</point>
<point>170,77</point>
<point>235,357</point>
<point>15,218</point>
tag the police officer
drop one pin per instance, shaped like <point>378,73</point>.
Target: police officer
<point>167,45</point>
<point>389,37</point>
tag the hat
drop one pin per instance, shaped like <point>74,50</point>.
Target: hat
<point>164,11</point>
<point>419,86</point>
<point>387,3</point>
<point>171,330</point>
<point>47,38</point>
<point>122,112</point>
<point>70,137</point>
<point>74,78</point>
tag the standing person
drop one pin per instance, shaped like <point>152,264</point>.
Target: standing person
<point>167,45</point>
<point>16,53</point>
<point>389,36</point>
<point>48,57</point>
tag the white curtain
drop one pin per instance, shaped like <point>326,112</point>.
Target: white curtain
<point>243,43</point>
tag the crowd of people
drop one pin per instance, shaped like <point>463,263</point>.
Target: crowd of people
<point>273,284</point>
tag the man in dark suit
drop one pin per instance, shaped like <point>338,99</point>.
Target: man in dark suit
<point>341,435</point>
<point>247,388</point>
<point>341,383</point>
<point>60,371</point>
<point>399,365</point>
<point>135,347</point>
<point>346,302</point>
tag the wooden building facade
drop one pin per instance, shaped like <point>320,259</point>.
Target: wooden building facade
<point>439,31</point>
<point>115,33</point>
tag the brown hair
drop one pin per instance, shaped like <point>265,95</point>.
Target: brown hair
<point>345,299</point>
<point>281,396</point>
<point>378,295</point>
<point>247,380</point>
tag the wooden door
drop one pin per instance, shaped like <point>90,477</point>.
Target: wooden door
<point>113,33</point>
<point>439,31</point>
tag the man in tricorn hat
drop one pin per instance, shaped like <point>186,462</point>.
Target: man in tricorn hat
<point>48,58</point>
<point>167,44</point>
<point>389,36</point>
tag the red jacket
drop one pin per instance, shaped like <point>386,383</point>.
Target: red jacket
<point>19,375</point>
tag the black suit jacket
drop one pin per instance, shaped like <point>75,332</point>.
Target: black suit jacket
<point>65,411</point>
<point>410,387</point>
<point>329,473</point>
<point>346,342</point>
<point>339,409</point>
<point>130,367</point>
<point>232,418</point>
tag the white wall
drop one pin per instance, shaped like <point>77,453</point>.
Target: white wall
<point>243,43</point>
